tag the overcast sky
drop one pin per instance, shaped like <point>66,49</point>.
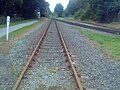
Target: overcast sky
<point>54,2</point>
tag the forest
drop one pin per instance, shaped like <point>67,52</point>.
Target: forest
<point>26,9</point>
<point>97,10</point>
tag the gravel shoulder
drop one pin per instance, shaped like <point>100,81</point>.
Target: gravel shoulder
<point>14,54</point>
<point>97,71</point>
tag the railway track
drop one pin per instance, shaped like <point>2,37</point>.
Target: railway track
<point>50,66</point>
<point>95,27</point>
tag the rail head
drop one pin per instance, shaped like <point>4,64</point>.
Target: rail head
<point>34,52</point>
<point>30,59</point>
<point>69,59</point>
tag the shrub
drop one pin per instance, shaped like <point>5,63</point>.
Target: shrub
<point>78,14</point>
<point>2,20</point>
<point>83,14</point>
<point>86,14</point>
<point>13,19</point>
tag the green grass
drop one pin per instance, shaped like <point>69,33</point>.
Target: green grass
<point>22,31</point>
<point>109,44</point>
<point>15,23</point>
<point>5,46</point>
<point>115,25</point>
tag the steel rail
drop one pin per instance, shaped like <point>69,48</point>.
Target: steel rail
<point>93,26</point>
<point>34,52</point>
<point>30,59</point>
<point>69,59</point>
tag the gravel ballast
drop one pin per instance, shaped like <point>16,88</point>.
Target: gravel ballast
<point>12,62</point>
<point>49,71</point>
<point>97,71</point>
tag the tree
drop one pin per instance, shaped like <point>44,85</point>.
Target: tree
<point>98,10</point>
<point>104,10</point>
<point>59,9</point>
<point>23,8</point>
<point>10,7</point>
<point>2,4</point>
<point>44,6</point>
<point>28,9</point>
<point>72,7</point>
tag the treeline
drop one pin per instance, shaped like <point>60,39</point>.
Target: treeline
<point>26,9</point>
<point>97,10</point>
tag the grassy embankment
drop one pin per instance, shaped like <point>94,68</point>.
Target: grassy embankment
<point>15,23</point>
<point>115,25</point>
<point>14,36</point>
<point>22,31</point>
<point>109,44</point>
<point>5,46</point>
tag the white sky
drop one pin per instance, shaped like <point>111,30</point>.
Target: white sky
<point>54,2</point>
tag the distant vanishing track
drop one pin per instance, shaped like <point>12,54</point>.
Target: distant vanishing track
<point>37,49</point>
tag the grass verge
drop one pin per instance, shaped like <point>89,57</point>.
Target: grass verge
<point>109,44</point>
<point>21,32</point>
<point>115,25</point>
<point>15,23</point>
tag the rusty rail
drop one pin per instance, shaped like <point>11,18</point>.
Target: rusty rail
<point>30,59</point>
<point>69,59</point>
<point>34,52</point>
